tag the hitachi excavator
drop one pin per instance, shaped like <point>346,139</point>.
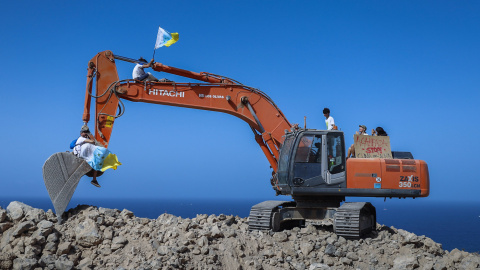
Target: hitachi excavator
<point>310,165</point>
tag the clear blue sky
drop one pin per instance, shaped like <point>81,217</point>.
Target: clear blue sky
<point>412,67</point>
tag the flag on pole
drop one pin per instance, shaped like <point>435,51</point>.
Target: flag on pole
<point>165,39</point>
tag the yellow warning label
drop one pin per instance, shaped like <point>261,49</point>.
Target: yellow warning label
<point>109,122</point>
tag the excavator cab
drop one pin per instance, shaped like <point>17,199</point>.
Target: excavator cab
<point>311,159</point>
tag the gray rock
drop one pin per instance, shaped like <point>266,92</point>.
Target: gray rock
<point>108,212</point>
<point>108,233</point>
<point>440,264</point>
<point>330,250</point>
<point>3,215</point>
<point>63,264</point>
<point>24,263</point>
<point>181,249</point>
<point>118,242</point>
<point>280,237</point>
<point>352,256</point>
<point>86,263</point>
<point>126,214</point>
<point>332,239</point>
<point>16,210</point>
<point>163,250</point>
<point>118,223</point>
<point>50,247</point>
<point>330,261</point>
<point>215,232</point>
<point>31,251</point>
<point>64,248</point>
<point>23,227</point>
<point>299,266</point>
<point>319,266</point>
<point>340,253</point>
<point>190,235</point>
<point>51,216</point>
<point>87,233</point>
<point>45,226</point>
<point>306,247</point>
<point>35,215</point>
<point>47,260</point>
<point>346,261</point>
<point>470,262</point>
<point>405,262</point>
<point>6,260</point>
<point>5,226</point>
<point>53,237</point>
<point>202,241</point>
<point>456,255</point>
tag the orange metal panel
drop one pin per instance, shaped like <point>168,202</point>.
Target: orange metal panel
<point>379,173</point>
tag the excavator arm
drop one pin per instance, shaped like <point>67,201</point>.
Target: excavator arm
<point>213,93</point>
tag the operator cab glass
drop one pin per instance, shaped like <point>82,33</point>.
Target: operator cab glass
<point>312,159</point>
<point>335,153</point>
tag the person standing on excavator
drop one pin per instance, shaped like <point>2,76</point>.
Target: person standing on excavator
<point>328,119</point>
<point>139,74</point>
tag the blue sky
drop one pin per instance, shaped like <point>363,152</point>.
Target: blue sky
<point>411,67</point>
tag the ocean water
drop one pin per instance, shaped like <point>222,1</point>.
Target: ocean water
<point>452,224</point>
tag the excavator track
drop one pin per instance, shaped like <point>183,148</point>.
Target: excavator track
<point>354,219</point>
<point>260,217</point>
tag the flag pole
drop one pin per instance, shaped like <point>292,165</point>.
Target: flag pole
<point>154,47</point>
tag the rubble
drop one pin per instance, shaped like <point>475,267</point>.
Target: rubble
<point>100,238</point>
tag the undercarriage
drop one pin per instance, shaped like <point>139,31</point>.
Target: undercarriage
<point>351,220</point>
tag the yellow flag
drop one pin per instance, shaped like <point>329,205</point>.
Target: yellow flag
<point>110,162</point>
<point>173,40</point>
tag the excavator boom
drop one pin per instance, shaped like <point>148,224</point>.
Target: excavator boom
<point>215,94</point>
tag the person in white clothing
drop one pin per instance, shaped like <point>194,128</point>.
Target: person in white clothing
<point>139,74</point>
<point>328,119</point>
<point>84,148</point>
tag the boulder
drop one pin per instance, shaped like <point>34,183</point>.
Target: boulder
<point>118,242</point>
<point>405,262</point>
<point>87,233</point>
<point>23,227</point>
<point>64,248</point>
<point>16,210</point>
<point>330,250</point>
<point>24,263</point>
<point>63,263</point>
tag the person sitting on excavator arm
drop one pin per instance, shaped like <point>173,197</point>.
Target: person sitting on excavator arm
<point>139,74</point>
<point>84,148</point>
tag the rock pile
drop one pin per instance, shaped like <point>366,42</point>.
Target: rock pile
<point>100,238</point>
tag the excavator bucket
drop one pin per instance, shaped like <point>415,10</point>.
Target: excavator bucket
<point>61,173</point>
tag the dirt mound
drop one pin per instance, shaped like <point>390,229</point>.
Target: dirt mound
<point>100,238</point>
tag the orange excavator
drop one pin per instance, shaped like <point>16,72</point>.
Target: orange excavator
<point>310,165</point>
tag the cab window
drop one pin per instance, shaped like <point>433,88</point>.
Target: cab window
<point>309,149</point>
<point>335,153</point>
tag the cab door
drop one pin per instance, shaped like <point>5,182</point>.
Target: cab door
<point>319,160</point>
<point>334,172</point>
<point>307,167</point>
